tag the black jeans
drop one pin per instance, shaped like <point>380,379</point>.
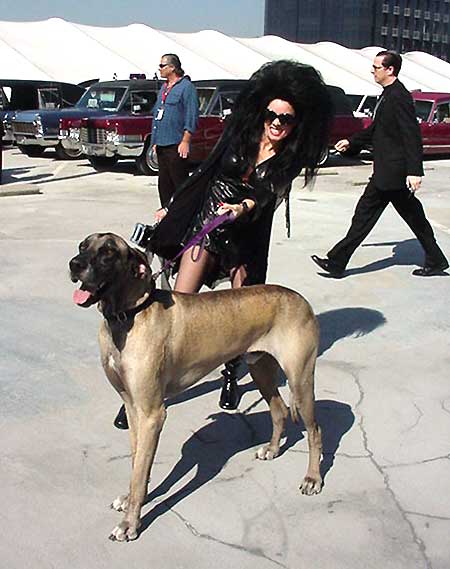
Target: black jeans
<point>173,171</point>
<point>368,211</point>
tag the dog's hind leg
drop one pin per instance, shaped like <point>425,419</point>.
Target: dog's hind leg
<point>299,367</point>
<point>149,426</point>
<point>265,374</point>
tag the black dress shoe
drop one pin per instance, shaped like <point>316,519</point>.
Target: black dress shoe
<point>328,266</point>
<point>430,271</point>
<point>121,421</point>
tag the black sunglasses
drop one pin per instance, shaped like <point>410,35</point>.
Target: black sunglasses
<point>284,119</point>
<point>162,65</point>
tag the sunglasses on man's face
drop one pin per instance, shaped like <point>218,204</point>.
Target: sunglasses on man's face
<point>162,65</point>
<point>285,119</point>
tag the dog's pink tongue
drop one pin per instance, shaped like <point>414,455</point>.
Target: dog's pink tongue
<point>81,296</point>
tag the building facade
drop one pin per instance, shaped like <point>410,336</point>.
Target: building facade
<point>403,25</point>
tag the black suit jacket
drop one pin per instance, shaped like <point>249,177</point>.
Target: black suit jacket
<point>395,138</point>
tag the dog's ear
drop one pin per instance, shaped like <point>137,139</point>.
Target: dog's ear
<point>139,266</point>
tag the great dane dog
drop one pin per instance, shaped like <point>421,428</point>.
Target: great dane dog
<point>154,344</point>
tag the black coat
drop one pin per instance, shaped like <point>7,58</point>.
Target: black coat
<point>188,200</point>
<point>395,138</point>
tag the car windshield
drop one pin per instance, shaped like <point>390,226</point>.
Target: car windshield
<point>355,100</point>
<point>204,97</point>
<point>423,109</point>
<point>104,98</point>
<point>49,98</point>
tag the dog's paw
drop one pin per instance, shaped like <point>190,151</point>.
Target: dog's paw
<point>311,486</point>
<point>124,532</point>
<point>267,453</point>
<point>120,504</point>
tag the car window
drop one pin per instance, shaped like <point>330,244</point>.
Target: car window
<point>423,109</point>
<point>224,103</point>
<point>355,101</point>
<point>4,103</point>
<point>368,105</point>
<point>140,102</point>
<point>442,113</point>
<point>49,98</point>
<point>341,103</point>
<point>204,98</point>
<point>104,98</point>
<point>23,97</point>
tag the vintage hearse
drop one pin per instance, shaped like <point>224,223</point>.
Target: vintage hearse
<point>433,114</point>
<point>20,95</point>
<point>34,131</point>
<point>107,139</point>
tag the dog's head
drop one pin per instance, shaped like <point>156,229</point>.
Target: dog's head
<point>105,264</point>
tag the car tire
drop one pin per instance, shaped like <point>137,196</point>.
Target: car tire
<point>32,151</point>
<point>65,154</point>
<point>102,163</point>
<point>324,157</point>
<point>147,162</point>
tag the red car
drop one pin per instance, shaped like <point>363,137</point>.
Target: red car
<point>107,139</point>
<point>1,150</point>
<point>433,114</point>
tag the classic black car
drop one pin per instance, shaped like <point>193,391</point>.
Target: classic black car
<point>34,131</point>
<point>19,95</point>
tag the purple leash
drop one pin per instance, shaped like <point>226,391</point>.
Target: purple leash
<point>198,238</point>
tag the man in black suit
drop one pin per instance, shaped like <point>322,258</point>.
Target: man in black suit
<point>397,173</point>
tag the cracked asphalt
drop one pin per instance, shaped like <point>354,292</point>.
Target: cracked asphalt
<point>382,395</point>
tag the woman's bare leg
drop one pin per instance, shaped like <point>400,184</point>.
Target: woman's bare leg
<point>238,276</point>
<point>193,267</point>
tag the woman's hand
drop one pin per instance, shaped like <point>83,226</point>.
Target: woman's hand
<point>237,209</point>
<point>160,214</point>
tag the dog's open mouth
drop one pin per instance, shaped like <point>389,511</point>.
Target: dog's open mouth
<point>83,297</point>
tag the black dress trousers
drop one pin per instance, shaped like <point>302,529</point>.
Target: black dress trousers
<point>369,209</point>
<point>173,171</point>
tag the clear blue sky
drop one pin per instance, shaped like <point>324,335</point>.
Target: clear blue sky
<point>233,17</point>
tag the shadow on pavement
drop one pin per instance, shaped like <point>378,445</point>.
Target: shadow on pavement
<point>344,322</point>
<point>334,325</point>
<point>408,252</point>
<point>209,449</point>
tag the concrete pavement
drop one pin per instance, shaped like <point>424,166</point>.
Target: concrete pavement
<point>382,390</point>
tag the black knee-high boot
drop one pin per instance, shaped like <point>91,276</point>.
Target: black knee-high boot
<point>230,395</point>
<point>121,421</point>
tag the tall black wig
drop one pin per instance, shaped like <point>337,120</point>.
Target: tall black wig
<point>303,88</point>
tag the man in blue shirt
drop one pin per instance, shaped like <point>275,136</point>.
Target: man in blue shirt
<point>175,118</point>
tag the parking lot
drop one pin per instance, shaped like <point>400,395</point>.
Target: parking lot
<point>382,390</point>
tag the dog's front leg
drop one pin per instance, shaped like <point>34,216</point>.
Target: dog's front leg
<point>120,504</point>
<point>149,426</point>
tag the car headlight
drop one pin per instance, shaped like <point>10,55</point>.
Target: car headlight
<point>74,134</point>
<point>38,124</point>
<point>112,136</point>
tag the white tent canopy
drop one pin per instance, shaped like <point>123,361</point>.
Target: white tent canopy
<point>63,51</point>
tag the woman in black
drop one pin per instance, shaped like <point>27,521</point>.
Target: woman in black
<point>279,127</point>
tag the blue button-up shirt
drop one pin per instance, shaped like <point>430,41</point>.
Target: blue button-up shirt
<point>180,113</point>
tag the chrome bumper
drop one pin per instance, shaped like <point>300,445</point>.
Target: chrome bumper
<point>109,149</point>
<point>24,140</point>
